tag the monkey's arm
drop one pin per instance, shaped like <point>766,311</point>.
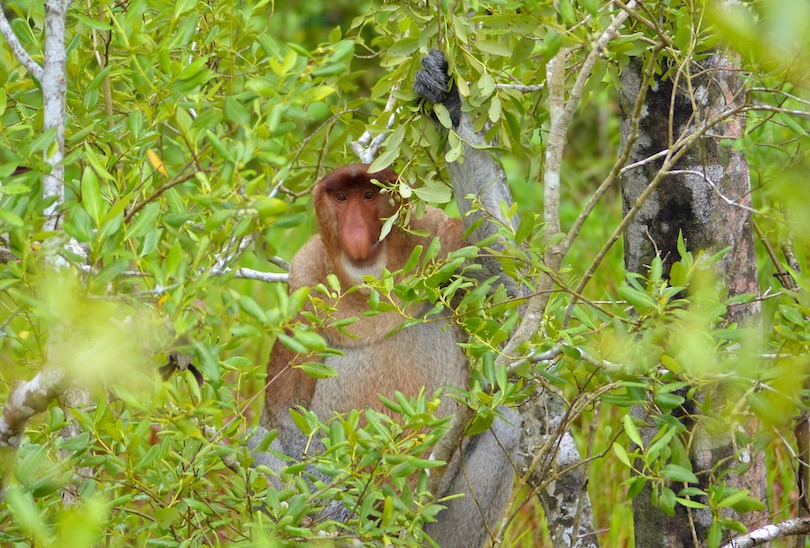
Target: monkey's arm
<point>480,174</point>
<point>483,470</point>
<point>288,386</point>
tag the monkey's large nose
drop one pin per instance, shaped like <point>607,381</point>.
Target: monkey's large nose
<point>358,244</point>
<point>359,238</point>
<point>356,251</point>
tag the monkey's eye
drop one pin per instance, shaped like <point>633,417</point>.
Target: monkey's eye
<point>369,195</point>
<point>340,197</point>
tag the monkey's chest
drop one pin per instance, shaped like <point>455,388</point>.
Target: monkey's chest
<point>424,355</point>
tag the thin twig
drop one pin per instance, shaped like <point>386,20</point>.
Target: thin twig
<point>523,88</point>
<point>784,277</point>
<point>711,183</point>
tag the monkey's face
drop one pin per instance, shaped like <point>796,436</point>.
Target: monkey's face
<point>351,209</point>
<point>357,211</point>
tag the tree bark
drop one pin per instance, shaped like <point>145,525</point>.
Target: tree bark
<point>704,196</point>
<point>54,92</point>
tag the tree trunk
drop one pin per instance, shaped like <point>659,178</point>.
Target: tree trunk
<point>705,197</point>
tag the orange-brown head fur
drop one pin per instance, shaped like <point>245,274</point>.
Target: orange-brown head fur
<point>351,211</point>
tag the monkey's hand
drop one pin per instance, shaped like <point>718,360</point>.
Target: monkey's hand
<point>434,84</point>
<point>479,173</point>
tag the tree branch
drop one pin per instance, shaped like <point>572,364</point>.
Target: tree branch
<point>17,48</point>
<point>54,92</point>
<point>365,147</point>
<point>25,401</point>
<point>560,121</point>
<point>269,277</point>
<point>769,533</point>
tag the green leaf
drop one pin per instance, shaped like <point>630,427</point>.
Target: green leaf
<point>481,423</point>
<point>317,370</point>
<point>678,275</point>
<point>387,226</point>
<point>667,501</point>
<point>182,6</point>
<point>291,343</point>
<point>219,146</point>
<point>656,268</point>
<point>636,484</point>
<point>267,206</point>
<point>252,309</point>
<point>9,218</point>
<point>111,227</point>
<point>748,504</point>
<point>331,69</point>
<point>691,492</point>
<point>642,302</point>
<point>682,252</point>
<point>91,195</point>
<point>384,160</point>
<point>97,164</point>
<point>79,225</point>
<point>455,153</point>
<point>434,192</point>
<point>14,188</point>
<point>622,455</point>
<point>235,112</point>
<point>678,473</point>
<point>302,424</point>
<point>150,457</point>
<point>165,517</point>
<point>443,115</point>
<point>404,47</point>
<point>173,259</point>
<point>668,401</point>
<point>145,221</point>
<point>261,87</point>
<point>494,111</point>
<point>631,431</point>
<point>486,85</point>
<point>310,339</point>
<point>689,503</point>
<point>671,364</point>
<point>493,48</point>
<point>715,535</point>
<point>733,499</point>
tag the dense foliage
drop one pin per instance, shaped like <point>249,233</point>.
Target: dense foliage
<point>195,131</point>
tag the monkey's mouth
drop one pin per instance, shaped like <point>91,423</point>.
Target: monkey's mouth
<point>371,255</point>
<point>363,254</point>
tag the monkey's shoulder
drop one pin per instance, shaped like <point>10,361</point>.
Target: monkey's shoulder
<point>310,265</point>
<point>434,219</point>
<point>450,231</point>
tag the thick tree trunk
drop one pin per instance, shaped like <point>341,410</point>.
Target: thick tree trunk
<point>706,197</point>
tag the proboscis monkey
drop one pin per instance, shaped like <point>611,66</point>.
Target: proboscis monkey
<point>351,210</point>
